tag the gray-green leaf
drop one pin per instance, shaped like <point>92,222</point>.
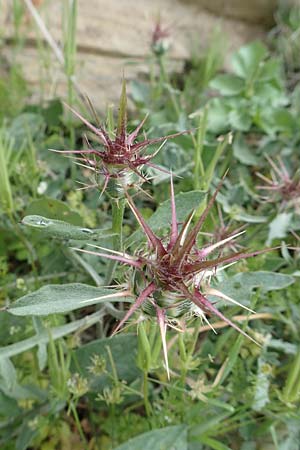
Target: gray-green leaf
<point>185,203</point>
<point>168,438</point>
<point>61,298</point>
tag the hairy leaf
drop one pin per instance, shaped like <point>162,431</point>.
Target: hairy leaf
<point>56,298</point>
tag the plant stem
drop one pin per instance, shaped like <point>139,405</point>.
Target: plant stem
<point>183,357</point>
<point>164,78</point>
<point>291,388</point>
<point>118,207</point>
<point>199,172</point>
<point>27,245</point>
<point>146,393</point>
<point>78,425</point>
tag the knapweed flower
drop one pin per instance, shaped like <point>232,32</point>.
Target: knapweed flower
<point>160,39</point>
<point>281,188</point>
<point>223,230</point>
<point>121,156</point>
<point>172,275</point>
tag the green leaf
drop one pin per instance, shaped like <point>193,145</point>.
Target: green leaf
<point>247,59</point>
<point>53,112</point>
<point>228,84</point>
<point>8,406</point>
<point>237,212</point>
<point>283,121</point>
<point>242,216</point>
<point>185,203</point>
<point>214,444</point>
<point>61,298</point>
<point>279,227</point>
<point>122,117</point>
<point>168,438</point>
<point>124,361</point>
<point>262,384</point>
<point>8,373</point>
<point>53,209</point>
<point>217,118</point>
<point>60,229</point>
<point>6,192</point>
<point>25,127</point>
<point>240,119</point>
<point>243,153</point>
<point>44,336</point>
<point>241,285</point>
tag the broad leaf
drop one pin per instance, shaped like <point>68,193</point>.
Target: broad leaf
<point>247,59</point>
<point>217,119</point>
<point>53,209</point>
<point>124,361</point>
<point>167,438</point>
<point>241,285</point>
<point>26,127</point>
<point>185,203</point>
<point>240,119</point>
<point>243,153</point>
<point>279,227</point>
<point>228,84</point>
<point>61,298</point>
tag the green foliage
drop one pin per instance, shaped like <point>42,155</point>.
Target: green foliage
<point>251,96</point>
<point>66,381</point>
<point>163,439</point>
<point>54,299</point>
<point>13,90</point>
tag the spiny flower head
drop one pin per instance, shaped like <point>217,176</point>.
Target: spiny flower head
<point>223,230</point>
<point>121,156</point>
<point>171,276</point>
<point>160,42</point>
<point>281,187</point>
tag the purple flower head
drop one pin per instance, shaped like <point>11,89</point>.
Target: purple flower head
<point>121,156</point>
<point>172,275</point>
<point>223,230</point>
<point>281,188</point>
<point>160,42</point>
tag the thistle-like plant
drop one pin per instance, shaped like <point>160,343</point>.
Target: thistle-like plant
<point>223,230</point>
<point>281,188</point>
<point>160,39</point>
<point>171,276</point>
<point>121,155</point>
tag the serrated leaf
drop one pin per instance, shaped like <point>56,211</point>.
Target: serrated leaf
<point>168,438</point>
<point>247,59</point>
<point>61,298</point>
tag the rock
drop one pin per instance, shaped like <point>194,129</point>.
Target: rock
<point>115,36</point>
<point>256,11</point>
